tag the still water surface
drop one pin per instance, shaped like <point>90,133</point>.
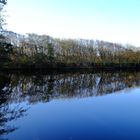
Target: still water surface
<point>70,106</point>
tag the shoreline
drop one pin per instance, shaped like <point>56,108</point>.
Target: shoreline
<point>33,70</point>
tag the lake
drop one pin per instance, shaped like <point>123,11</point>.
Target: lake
<point>70,106</point>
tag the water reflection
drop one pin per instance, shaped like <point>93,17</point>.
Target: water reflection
<point>16,89</point>
<point>43,88</point>
<point>7,111</point>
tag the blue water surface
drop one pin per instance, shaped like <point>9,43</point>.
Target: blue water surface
<point>112,116</point>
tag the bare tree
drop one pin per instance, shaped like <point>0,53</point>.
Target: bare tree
<point>2,20</point>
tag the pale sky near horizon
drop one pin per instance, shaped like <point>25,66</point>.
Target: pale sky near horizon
<point>109,20</point>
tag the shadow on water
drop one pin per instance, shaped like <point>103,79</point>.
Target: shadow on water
<point>18,88</point>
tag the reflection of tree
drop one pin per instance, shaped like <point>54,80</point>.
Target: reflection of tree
<point>118,81</point>
<point>7,113</point>
<point>15,89</point>
<point>43,88</point>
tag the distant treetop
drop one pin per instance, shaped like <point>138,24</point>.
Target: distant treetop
<point>3,2</point>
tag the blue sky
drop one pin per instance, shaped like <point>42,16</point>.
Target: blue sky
<point>110,20</point>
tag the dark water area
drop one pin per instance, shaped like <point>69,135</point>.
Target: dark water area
<point>70,106</point>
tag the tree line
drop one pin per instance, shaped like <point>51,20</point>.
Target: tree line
<point>41,51</point>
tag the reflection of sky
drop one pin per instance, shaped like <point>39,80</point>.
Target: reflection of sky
<point>111,20</point>
<point>131,90</point>
<point>110,117</point>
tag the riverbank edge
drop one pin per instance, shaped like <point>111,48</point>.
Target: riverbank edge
<point>45,69</point>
